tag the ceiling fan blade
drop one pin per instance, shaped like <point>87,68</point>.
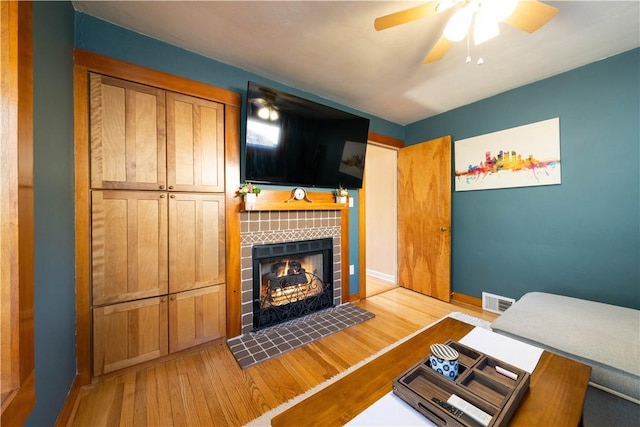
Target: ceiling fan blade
<point>531,15</point>
<point>438,51</point>
<point>405,16</point>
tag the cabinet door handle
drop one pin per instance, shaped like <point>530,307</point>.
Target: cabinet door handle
<point>163,299</point>
<point>162,196</point>
<point>173,196</point>
<point>172,297</point>
<point>162,187</point>
<point>443,228</point>
<point>171,187</point>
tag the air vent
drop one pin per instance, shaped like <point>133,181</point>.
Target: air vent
<point>496,303</point>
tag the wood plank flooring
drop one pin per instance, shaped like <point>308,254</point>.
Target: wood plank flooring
<point>206,387</point>
<point>376,286</point>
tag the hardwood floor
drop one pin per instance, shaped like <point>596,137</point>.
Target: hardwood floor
<point>376,286</point>
<point>206,387</point>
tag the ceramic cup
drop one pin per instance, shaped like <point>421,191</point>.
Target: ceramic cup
<point>444,360</point>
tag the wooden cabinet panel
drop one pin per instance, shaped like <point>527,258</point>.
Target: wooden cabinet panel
<point>195,144</point>
<point>128,139</point>
<point>196,317</point>
<point>197,241</point>
<point>128,333</point>
<point>128,245</point>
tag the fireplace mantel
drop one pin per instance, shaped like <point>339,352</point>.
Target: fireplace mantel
<point>282,200</point>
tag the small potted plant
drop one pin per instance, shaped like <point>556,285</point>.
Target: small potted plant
<point>249,192</point>
<point>341,194</point>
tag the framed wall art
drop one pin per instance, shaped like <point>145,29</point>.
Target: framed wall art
<point>522,156</point>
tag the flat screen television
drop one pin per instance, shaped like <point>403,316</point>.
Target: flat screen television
<point>295,141</point>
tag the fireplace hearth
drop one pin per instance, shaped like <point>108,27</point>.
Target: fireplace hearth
<point>291,280</point>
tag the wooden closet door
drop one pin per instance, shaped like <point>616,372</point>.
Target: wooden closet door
<point>196,241</point>
<point>128,333</point>
<point>196,316</point>
<point>195,144</point>
<point>127,131</point>
<point>128,245</point>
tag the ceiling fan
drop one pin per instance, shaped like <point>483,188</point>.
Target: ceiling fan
<point>527,15</point>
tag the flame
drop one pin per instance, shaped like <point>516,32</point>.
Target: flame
<point>289,292</point>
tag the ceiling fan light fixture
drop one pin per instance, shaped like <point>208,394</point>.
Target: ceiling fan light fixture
<point>496,10</point>
<point>484,30</point>
<point>273,115</point>
<point>445,5</point>
<point>525,15</point>
<point>459,24</point>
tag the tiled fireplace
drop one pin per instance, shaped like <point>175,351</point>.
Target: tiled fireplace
<point>269,227</point>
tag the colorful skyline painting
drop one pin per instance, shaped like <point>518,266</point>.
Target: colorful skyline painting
<point>522,156</point>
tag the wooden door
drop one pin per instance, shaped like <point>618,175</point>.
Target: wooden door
<point>424,217</point>
<point>128,333</point>
<point>128,140</point>
<point>128,245</point>
<point>195,144</point>
<point>17,355</point>
<point>196,316</point>
<point>196,241</point>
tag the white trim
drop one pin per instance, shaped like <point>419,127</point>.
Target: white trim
<point>382,276</point>
<point>615,393</point>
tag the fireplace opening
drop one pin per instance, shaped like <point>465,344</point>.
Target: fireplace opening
<point>291,280</point>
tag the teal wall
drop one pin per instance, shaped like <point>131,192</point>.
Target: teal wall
<point>54,283</point>
<point>580,238</point>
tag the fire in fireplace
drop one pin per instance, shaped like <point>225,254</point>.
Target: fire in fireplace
<point>291,280</point>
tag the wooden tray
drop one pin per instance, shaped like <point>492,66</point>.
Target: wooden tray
<point>477,382</point>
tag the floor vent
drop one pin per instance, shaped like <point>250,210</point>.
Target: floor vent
<point>496,303</point>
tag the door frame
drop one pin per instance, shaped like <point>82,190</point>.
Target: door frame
<point>362,216</point>
<point>17,213</point>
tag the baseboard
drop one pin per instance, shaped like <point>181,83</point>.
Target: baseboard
<point>354,297</point>
<point>466,299</point>
<point>382,276</point>
<point>19,402</point>
<point>70,403</point>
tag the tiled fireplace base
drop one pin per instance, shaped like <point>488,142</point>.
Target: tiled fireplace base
<point>256,347</point>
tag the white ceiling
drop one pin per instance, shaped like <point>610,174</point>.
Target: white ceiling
<point>330,48</point>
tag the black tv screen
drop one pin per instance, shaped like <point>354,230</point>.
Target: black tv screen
<point>294,141</point>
